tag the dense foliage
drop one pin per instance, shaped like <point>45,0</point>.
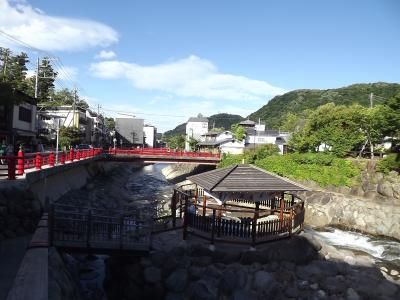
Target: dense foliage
<point>14,72</point>
<point>238,132</point>
<point>175,141</point>
<point>275,111</point>
<point>69,136</point>
<point>325,169</point>
<point>250,155</point>
<point>222,121</point>
<point>340,129</point>
<point>390,163</point>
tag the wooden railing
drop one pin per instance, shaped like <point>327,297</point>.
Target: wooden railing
<point>17,165</point>
<point>77,227</point>
<point>253,230</point>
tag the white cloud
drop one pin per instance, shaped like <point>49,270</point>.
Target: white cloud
<point>188,77</point>
<point>33,26</point>
<point>105,54</point>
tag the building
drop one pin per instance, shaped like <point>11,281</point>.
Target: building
<point>51,118</point>
<point>129,132</point>
<point>150,133</point>
<point>195,129</point>
<point>99,134</point>
<point>213,141</point>
<point>257,135</point>
<point>17,118</point>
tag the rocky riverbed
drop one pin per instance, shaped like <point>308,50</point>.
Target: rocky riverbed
<point>304,267</point>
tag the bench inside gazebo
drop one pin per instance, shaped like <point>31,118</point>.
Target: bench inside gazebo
<point>239,204</point>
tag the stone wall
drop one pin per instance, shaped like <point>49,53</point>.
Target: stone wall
<point>22,201</point>
<point>363,214</point>
<point>178,172</point>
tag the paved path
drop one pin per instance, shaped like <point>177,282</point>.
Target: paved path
<point>11,253</point>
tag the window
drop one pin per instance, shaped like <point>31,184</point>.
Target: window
<point>261,140</point>
<point>205,125</point>
<point>3,116</point>
<point>25,114</point>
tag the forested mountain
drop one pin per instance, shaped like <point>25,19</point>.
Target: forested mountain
<point>274,112</point>
<point>217,121</point>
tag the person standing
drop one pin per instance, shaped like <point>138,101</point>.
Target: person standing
<point>3,151</point>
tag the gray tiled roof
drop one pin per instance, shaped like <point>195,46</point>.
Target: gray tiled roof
<point>243,178</point>
<point>196,119</point>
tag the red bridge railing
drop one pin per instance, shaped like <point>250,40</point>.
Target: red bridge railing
<point>13,166</point>
<point>162,152</point>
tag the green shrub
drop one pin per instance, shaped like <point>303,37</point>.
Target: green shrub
<point>322,168</point>
<point>390,163</point>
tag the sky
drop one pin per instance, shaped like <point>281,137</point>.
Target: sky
<point>167,60</point>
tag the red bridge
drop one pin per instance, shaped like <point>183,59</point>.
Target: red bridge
<point>162,155</point>
<point>13,166</point>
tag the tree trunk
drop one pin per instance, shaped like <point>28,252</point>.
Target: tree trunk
<point>362,149</point>
<point>372,149</point>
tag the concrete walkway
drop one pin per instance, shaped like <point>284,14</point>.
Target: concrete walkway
<point>11,253</point>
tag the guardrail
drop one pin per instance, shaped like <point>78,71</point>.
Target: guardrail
<point>161,152</point>
<point>17,165</point>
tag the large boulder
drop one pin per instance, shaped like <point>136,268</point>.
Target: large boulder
<point>203,289</point>
<point>176,282</point>
<point>385,189</point>
<point>152,274</point>
<point>264,282</point>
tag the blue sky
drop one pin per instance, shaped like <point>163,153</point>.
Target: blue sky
<point>180,58</point>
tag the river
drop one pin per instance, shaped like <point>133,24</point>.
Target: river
<point>148,184</point>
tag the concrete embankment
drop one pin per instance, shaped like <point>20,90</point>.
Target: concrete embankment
<point>178,172</point>
<point>372,206</point>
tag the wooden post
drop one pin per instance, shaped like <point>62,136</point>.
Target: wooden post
<point>11,167</point>
<point>51,159</point>
<point>20,165</point>
<point>173,209</point>
<point>88,227</point>
<point>290,221</point>
<point>292,203</point>
<point>38,161</point>
<point>281,209</point>
<point>195,196</point>
<point>71,154</point>
<point>185,216</point>
<point>254,225</point>
<point>204,205</point>
<point>213,227</point>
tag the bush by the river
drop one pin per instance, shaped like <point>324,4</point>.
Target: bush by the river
<point>325,169</point>
<point>390,163</point>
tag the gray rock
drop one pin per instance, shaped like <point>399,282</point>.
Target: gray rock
<point>152,274</point>
<point>352,294</point>
<point>291,291</point>
<point>202,261</point>
<point>212,271</point>
<point>196,272</point>
<point>177,281</point>
<point>264,281</point>
<point>158,258</point>
<point>203,290</point>
<point>244,295</point>
<point>174,296</point>
<point>385,189</point>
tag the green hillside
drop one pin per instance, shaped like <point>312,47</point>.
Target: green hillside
<point>297,101</point>
<point>218,121</point>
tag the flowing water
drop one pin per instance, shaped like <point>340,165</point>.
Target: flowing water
<point>147,183</point>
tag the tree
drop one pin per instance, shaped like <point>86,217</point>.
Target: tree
<point>109,123</point>
<point>175,141</point>
<point>193,143</point>
<point>336,126</point>
<point>47,76</point>
<point>239,132</point>
<point>69,136</point>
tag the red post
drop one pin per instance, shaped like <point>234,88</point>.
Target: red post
<point>51,159</point>
<point>20,164</point>
<point>38,161</point>
<point>78,155</point>
<point>71,154</point>
<point>92,152</point>
<point>62,158</point>
<point>11,167</point>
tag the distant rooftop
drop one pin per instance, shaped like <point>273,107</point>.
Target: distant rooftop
<point>247,122</point>
<point>197,119</point>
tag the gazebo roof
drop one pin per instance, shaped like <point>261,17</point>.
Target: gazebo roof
<point>243,178</point>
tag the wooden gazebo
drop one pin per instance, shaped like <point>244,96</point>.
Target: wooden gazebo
<point>240,204</point>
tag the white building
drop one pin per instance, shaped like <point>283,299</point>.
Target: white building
<point>232,147</point>
<point>150,133</point>
<point>49,118</point>
<point>195,128</point>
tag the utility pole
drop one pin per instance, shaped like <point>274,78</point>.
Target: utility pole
<point>37,79</point>
<point>371,100</point>
<point>73,108</point>
<point>5,64</point>
<point>97,133</point>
